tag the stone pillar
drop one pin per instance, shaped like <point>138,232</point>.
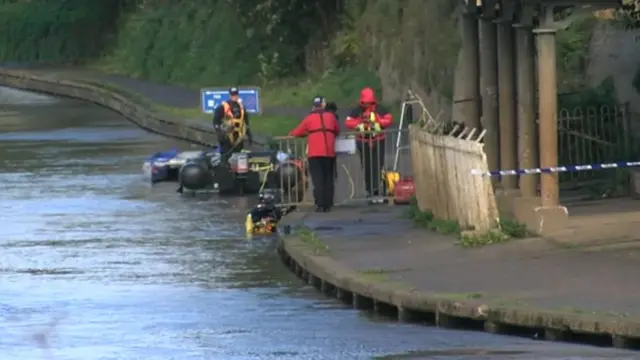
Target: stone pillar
<point>551,216</point>
<point>471,63</point>
<point>527,127</point>
<point>548,110</point>
<point>489,91</point>
<point>507,106</point>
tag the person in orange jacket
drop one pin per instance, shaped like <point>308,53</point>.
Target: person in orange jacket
<point>321,127</point>
<point>369,119</point>
<point>231,123</point>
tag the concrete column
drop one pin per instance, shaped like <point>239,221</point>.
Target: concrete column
<point>471,70</point>
<point>527,127</point>
<point>489,91</point>
<point>550,216</point>
<point>507,104</point>
<point>548,110</point>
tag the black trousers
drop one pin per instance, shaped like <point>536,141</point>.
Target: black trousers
<point>323,176</point>
<point>372,160</point>
<point>227,149</point>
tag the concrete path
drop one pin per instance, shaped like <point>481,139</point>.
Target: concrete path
<point>532,272</point>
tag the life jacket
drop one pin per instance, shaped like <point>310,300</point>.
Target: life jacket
<point>369,129</point>
<point>368,116</point>
<point>234,119</point>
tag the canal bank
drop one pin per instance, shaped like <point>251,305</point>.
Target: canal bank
<point>98,265</point>
<point>374,259</point>
<point>186,263</point>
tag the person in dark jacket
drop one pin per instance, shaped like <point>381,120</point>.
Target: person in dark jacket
<point>321,128</point>
<point>231,123</point>
<point>369,119</point>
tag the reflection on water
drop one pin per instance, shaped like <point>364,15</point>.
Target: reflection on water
<point>9,96</point>
<point>97,265</point>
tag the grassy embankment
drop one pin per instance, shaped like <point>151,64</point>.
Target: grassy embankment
<point>191,44</point>
<point>174,44</point>
<point>344,88</point>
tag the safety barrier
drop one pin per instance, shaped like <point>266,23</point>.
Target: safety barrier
<point>361,168</point>
<point>557,169</point>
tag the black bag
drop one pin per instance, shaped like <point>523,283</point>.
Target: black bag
<point>333,107</point>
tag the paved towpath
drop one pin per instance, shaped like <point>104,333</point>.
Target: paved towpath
<point>536,272</point>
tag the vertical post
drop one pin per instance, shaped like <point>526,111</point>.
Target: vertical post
<point>507,98</point>
<point>548,108</point>
<point>471,62</point>
<point>489,91</point>
<point>527,132</point>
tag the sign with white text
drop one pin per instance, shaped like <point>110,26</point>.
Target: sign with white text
<point>211,98</point>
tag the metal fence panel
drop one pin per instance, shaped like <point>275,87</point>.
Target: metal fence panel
<point>391,154</point>
<point>593,135</point>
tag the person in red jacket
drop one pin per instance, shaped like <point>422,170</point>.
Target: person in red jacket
<point>321,128</point>
<point>369,119</point>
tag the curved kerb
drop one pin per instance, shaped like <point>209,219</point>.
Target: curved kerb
<point>408,305</point>
<point>143,115</point>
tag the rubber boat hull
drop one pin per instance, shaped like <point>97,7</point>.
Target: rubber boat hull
<point>164,166</point>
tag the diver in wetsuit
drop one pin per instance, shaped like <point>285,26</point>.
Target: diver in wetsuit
<point>231,123</point>
<point>265,216</point>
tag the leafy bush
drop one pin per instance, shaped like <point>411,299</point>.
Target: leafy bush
<point>55,32</point>
<point>186,43</point>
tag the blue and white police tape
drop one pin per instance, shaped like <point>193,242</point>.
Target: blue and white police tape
<point>558,169</point>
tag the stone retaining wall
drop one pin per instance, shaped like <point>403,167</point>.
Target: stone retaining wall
<point>140,114</point>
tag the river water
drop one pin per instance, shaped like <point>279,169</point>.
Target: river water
<point>95,264</point>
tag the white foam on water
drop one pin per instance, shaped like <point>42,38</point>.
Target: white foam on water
<point>10,96</point>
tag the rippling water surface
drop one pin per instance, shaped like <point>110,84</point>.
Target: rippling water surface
<point>94,264</point>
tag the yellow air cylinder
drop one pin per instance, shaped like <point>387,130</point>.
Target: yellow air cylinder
<point>248,224</point>
<point>391,178</point>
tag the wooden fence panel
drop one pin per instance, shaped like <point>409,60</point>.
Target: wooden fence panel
<point>444,184</point>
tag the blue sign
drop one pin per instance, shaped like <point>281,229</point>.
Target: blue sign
<point>210,99</point>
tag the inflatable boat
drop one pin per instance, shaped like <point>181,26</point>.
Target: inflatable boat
<point>246,172</point>
<point>165,165</point>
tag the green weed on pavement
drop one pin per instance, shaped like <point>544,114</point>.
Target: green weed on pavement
<point>507,230</point>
